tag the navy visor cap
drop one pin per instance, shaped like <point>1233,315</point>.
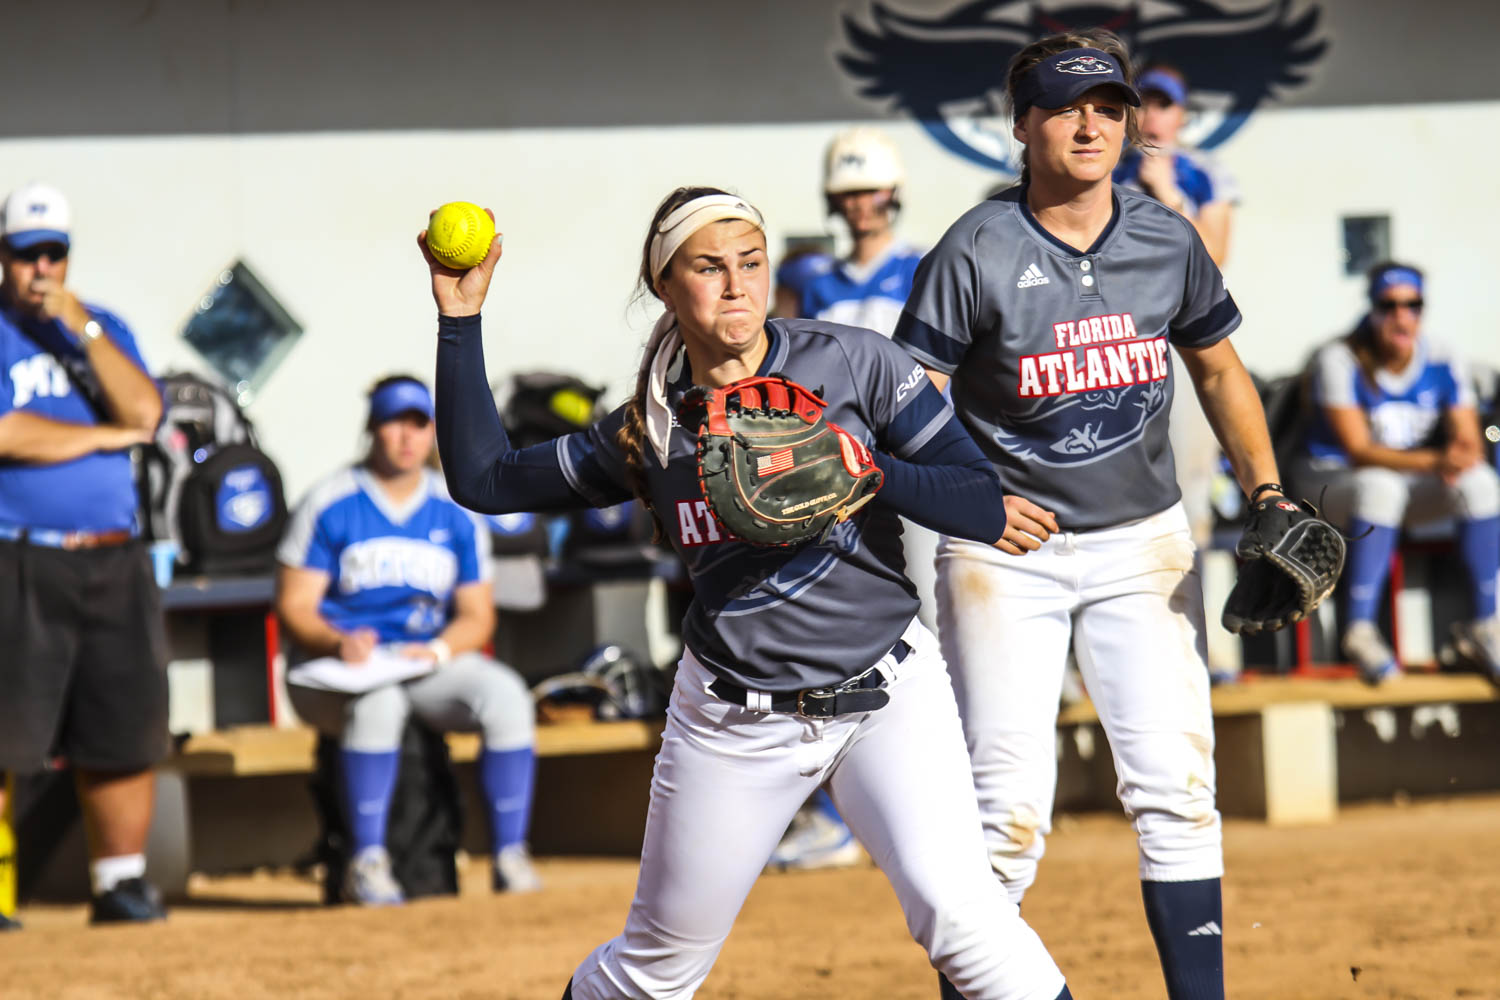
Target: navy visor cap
<point>1059,80</point>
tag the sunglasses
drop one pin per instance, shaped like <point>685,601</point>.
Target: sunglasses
<point>52,251</point>
<point>1391,305</point>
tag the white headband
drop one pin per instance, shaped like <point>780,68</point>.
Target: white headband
<point>682,222</point>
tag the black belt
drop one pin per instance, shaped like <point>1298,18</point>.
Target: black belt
<point>864,693</point>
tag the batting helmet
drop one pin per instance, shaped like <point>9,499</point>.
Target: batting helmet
<point>862,159</point>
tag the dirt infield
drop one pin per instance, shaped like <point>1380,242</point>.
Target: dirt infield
<point>1409,896</point>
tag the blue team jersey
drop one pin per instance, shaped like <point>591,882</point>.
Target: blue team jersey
<point>391,568</point>
<point>1404,408</point>
<point>1198,175</point>
<point>870,297</point>
<point>94,493</point>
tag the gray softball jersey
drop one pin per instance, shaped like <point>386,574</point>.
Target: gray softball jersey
<point>783,619</point>
<point>1059,357</point>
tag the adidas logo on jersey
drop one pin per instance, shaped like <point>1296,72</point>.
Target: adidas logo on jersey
<point>1210,929</point>
<point>1033,276</point>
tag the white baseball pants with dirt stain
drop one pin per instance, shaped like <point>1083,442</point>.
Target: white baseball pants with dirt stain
<point>726,784</point>
<point>1128,602</point>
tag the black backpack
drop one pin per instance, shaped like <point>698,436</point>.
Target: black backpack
<point>232,512</point>
<point>539,406</point>
<point>425,827</point>
<point>200,420</point>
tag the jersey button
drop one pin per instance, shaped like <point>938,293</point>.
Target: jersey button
<point>1084,265</point>
<point>1088,281</point>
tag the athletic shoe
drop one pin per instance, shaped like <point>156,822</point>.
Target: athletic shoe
<point>1479,642</point>
<point>9,923</point>
<point>132,901</point>
<point>513,871</point>
<point>1364,645</point>
<point>818,841</point>
<point>369,881</point>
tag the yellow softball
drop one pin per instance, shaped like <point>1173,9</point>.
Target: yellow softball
<point>459,234</point>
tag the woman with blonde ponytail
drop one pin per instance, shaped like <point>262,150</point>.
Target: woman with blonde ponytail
<point>1050,312</point>
<point>803,664</point>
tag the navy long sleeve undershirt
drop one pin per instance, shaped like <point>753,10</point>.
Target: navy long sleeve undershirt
<point>948,485</point>
<point>484,474</point>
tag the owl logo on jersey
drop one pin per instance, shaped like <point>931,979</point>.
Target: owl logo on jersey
<point>767,577</point>
<point>1082,428</point>
<point>944,70</point>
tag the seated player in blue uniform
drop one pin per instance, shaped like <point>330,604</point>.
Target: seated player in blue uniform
<point>803,664</point>
<point>378,555</point>
<point>1188,181</point>
<point>1395,440</point>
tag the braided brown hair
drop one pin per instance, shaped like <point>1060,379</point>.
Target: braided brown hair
<point>1085,38</point>
<point>632,434</point>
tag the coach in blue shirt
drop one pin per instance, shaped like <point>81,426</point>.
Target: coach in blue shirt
<point>84,673</point>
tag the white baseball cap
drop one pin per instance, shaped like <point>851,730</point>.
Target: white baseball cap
<point>35,213</point>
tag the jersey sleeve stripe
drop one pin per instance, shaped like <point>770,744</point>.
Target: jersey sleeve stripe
<point>482,547</point>
<point>917,422</point>
<point>1218,323</point>
<point>928,344</point>
<point>584,474</point>
<point>297,540</point>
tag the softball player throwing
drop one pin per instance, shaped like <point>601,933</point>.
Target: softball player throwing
<point>1052,307</point>
<point>777,691</point>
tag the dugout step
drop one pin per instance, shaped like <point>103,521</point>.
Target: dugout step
<point>1289,750</point>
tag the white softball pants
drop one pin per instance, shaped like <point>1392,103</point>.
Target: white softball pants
<point>726,784</point>
<point>473,693</point>
<point>1130,604</point>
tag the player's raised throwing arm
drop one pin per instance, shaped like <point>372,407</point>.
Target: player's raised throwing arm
<point>484,473</point>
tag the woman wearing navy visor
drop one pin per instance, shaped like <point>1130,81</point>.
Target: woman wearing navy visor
<point>378,555</point>
<point>803,665</point>
<point>1052,308</point>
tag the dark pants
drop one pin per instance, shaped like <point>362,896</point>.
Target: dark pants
<point>83,657</point>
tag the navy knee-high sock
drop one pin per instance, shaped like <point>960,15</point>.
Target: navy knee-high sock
<point>1186,920</point>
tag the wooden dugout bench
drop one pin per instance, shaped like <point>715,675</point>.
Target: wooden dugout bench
<point>1289,750</point>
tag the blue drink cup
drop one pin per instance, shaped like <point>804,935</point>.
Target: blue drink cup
<point>164,562</point>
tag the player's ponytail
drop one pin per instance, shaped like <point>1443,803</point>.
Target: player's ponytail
<point>632,436</point>
<point>1085,38</point>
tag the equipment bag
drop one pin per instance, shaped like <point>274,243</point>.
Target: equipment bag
<point>198,417</point>
<point>232,512</point>
<point>425,827</point>
<point>539,406</point>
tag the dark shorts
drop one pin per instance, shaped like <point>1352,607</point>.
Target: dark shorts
<point>83,658</point>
